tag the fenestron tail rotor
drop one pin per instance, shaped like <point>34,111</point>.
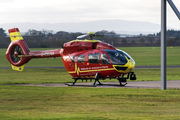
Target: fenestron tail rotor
<point>15,54</point>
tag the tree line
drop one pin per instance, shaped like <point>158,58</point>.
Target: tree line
<point>49,39</point>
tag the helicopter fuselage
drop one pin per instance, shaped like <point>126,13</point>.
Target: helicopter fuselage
<point>86,58</point>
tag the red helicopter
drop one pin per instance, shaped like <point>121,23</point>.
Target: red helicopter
<point>83,59</point>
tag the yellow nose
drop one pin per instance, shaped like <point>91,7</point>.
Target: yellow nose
<point>125,68</point>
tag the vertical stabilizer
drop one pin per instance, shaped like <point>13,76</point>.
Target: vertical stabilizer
<point>16,50</point>
<point>15,34</point>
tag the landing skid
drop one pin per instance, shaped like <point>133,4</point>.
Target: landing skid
<point>122,80</point>
<point>96,83</point>
<point>75,80</point>
<point>97,80</point>
<point>99,83</point>
<point>122,83</point>
<point>80,85</point>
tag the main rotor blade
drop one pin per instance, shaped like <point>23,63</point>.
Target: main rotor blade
<point>82,36</point>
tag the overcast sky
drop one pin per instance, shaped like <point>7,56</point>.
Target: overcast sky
<point>58,11</point>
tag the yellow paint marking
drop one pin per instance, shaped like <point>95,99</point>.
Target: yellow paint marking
<point>85,41</point>
<point>15,36</point>
<point>78,71</point>
<point>18,68</point>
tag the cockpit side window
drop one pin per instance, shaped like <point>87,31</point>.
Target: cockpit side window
<point>116,57</point>
<point>104,59</point>
<point>94,58</point>
<point>81,58</point>
<point>127,55</point>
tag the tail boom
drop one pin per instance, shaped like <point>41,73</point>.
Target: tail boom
<point>45,53</point>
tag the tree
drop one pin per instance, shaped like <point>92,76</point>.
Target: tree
<point>124,41</point>
<point>133,43</point>
<point>102,32</point>
<point>158,42</point>
<point>171,41</point>
<point>2,32</point>
<point>177,41</point>
<point>141,41</point>
<point>3,40</point>
<point>150,40</point>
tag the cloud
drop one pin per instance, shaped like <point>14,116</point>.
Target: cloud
<point>6,1</point>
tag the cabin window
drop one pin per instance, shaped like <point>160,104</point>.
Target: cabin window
<point>104,59</point>
<point>94,58</point>
<point>81,58</point>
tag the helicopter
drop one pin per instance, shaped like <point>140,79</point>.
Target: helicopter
<point>86,59</point>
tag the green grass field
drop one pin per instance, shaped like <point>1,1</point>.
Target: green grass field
<point>73,103</point>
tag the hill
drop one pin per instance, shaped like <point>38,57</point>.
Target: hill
<point>117,25</point>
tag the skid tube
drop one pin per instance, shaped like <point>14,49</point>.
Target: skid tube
<point>94,84</point>
<point>122,80</point>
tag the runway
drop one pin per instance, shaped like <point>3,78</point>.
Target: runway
<point>141,84</point>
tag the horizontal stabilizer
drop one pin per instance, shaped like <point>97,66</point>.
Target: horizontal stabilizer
<point>26,55</point>
<point>18,68</point>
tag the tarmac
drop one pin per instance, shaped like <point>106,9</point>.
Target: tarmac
<point>137,84</point>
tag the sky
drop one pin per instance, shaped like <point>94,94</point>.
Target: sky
<point>63,11</point>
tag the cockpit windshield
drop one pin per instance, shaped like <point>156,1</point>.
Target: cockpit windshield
<point>127,55</point>
<point>117,58</point>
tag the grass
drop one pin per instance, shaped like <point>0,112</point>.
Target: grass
<point>154,74</point>
<point>71,103</point>
<point>34,75</point>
